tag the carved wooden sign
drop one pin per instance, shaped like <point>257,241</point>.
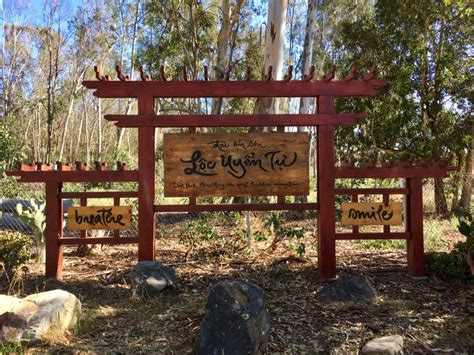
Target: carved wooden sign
<point>359,213</point>
<point>236,164</point>
<point>103,217</point>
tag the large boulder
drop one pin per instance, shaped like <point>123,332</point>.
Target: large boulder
<point>388,345</point>
<point>348,289</point>
<point>36,315</point>
<point>150,277</point>
<point>236,320</point>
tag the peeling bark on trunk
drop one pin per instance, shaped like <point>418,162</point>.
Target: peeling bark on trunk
<point>466,194</point>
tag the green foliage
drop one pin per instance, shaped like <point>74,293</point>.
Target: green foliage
<point>280,232</point>
<point>382,244</point>
<point>448,266</point>
<point>197,232</point>
<point>456,264</point>
<point>35,218</point>
<point>13,251</point>
<point>11,348</point>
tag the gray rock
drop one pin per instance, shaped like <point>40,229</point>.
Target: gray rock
<point>348,289</point>
<point>39,314</point>
<point>236,320</point>
<point>150,277</point>
<point>388,345</point>
<point>7,303</point>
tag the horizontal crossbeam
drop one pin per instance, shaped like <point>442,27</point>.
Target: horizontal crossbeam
<point>341,119</point>
<point>373,191</point>
<point>374,236</point>
<point>392,172</point>
<point>105,240</point>
<point>99,194</point>
<point>272,88</point>
<point>75,176</point>
<point>238,207</point>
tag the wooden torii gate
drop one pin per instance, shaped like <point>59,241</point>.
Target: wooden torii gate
<point>146,121</point>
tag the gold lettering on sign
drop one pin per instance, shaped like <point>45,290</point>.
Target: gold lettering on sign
<point>236,164</point>
<point>359,213</point>
<point>108,217</point>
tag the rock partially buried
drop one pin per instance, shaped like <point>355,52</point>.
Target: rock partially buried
<point>388,345</point>
<point>150,277</point>
<point>34,316</point>
<point>348,289</point>
<point>236,320</point>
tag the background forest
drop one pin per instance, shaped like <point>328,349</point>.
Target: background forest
<point>423,49</point>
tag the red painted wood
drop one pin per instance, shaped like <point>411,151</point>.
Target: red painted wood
<point>326,194</point>
<point>75,176</point>
<point>238,207</point>
<point>354,198</point>
<point>272,88</point>
<point>53,230</point>
<point>341,119</point>
<point>83,203</point>
<point>373,191</point>
<point>146,183</point>
<point>414,225</point>
<point>393,172</point>
<point>105,240</point>
<point>375,236</point>
<point>100,194</point>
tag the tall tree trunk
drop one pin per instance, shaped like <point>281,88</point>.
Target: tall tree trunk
<point>222,48</point>
<point>274,40</point>
<point>305,102</point>
<point>466,194</point>
<point>120,131</point>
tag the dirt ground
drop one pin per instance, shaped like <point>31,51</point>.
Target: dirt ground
<point>431,315</point>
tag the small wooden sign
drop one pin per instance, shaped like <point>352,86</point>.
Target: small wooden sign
<point>236,164</point>
<point>103,217</point>
<point>359,213</point>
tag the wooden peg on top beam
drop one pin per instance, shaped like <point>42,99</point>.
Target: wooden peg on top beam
<point>121,166</point>
<point>330,74</point>
<point>309,76</point>
<point>371,74</point>
<point>25,167</point>
<point>143,76</point>
<point>98,73</point>
<point>163,73</point>
<point>185,74</point>
<point>248,75</point>
<point>227,71</point>
<point>352,74</point>
<point>80,166</point>
<point>100,166</point>
<point>120,75</point>
<point>269,74</point>
<point>206,73</point>
<point>60,166</point>
<point>289,75</point>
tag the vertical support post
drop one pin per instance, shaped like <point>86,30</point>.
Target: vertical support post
<point>326,193</point>
<point>83,203</point>
<point>54,230</point>
<point>414,225</point>
<point>355,198</point>
<point>192,199</point>
<point>146,183</point>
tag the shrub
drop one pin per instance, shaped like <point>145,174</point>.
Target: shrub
<point>448,266</point>
<point>13,251</point>
<point>35,218</point>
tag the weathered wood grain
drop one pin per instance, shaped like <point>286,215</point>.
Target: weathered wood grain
<point>360,213</point>
<point>99,217</point>
<point>236,164</point>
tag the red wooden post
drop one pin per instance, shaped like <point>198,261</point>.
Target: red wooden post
<point>326,194</point>
<point>54,230</point>
<point>83,203</point>
<point>146,183</point>
<point>414,225</point>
